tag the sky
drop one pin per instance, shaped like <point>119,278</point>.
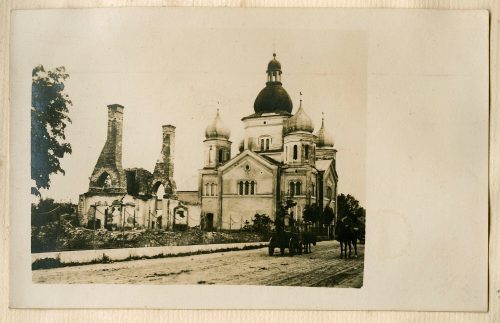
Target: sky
<point>178,66</point>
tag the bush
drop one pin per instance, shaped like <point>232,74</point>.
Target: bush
<point>46,263</point>
<point>262,224</point>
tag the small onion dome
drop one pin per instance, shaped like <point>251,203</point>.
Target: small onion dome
<point>300,121</point>
<point>274,64</point>
<point>217,129</point>
<point>324,138</point>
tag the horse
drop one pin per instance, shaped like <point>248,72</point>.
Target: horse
<point>347,234</point>
<point>308,239</point>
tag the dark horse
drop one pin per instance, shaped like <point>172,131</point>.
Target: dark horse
<point>346,233</point>
<point>307,239</point>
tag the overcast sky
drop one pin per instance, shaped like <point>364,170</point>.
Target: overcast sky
<point>173,66</point>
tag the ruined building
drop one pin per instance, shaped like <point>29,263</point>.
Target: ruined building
<point>134,197</point>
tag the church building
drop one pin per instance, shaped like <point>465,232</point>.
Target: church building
<point>280,158</point>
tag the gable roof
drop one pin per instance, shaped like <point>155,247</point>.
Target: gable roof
<point>323,165</point>
<point>264,160</point>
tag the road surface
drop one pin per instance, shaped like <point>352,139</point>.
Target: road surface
<point>323,267</point>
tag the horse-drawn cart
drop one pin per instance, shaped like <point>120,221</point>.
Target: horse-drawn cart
<point>285,240</point>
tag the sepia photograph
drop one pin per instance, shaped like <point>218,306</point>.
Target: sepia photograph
<point>216,158</point>
<point>200,157</point>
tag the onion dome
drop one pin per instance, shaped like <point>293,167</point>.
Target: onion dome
<point>273,98</point>
<point>274,64</point>
<point>324,138</point>
<point>299,122</point>
<point>217,129</point>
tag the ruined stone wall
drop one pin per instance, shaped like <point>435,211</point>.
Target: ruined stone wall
<point>164,168</point>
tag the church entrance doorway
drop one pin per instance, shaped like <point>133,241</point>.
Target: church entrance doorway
<point>210,222</point>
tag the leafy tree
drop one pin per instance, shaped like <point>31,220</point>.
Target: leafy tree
<point>261,223</point>
<point>348,206</point>
<point>47,210</point>
<point>49,118</point>
<point>327,216</point>
<point>312,213</point>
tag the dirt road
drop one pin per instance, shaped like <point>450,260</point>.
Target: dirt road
<point>322,267</point>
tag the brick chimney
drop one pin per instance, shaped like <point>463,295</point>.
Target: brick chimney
<point>164,168</point>
<point>108,175</point>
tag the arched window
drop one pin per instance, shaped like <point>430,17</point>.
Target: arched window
<point>160,191</point>
<point>240,184</point>
<point>267,143</point>
<point>286,153</point>
<point>306,151</point>
<point>247,186</point>
<point>295,152</point>
<point>252,188</point>
<point>262,144</point>
<point>104,180</point>
<point>212,191</point>
<point>210,155</point>
<point>295,188</point>
<point>221,155</point>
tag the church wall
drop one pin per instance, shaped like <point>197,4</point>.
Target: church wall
<point>255,172</point>
<point>271,126</point>
<point>210,205</point>
<point>239,209</point>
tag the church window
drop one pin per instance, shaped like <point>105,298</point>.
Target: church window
<point>267,143</point>
<point>210,155</point>
<point>306,151</point>
<point>286,153</point>
<point>295,152</point>
<point>221,155</point>
<point>247,188</point>
<point>262,144</point>
<point>295,188</point>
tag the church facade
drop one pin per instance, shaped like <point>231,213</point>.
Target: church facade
<point>280,158</point>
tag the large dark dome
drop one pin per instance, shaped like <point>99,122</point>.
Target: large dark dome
<point>273,98</point>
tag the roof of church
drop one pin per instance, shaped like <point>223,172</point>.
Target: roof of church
<point>323,164</point>
<point>274,64</point>
<point>273,98</point>
<point>324,138</point>
<point>217,129</point>
<point>271,160</point>
<point>299,122</point>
